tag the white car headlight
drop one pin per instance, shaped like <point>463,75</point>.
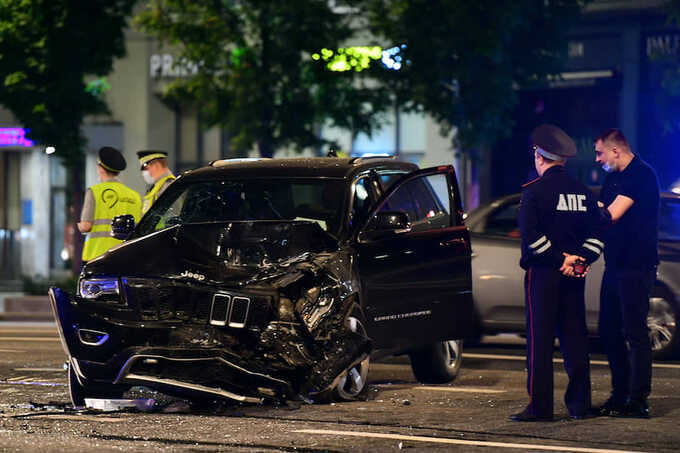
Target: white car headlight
<point>97,287</point>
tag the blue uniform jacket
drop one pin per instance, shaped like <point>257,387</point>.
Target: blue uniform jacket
<point>558,214</point>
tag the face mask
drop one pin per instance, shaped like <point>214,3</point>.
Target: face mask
<point>147,177</point>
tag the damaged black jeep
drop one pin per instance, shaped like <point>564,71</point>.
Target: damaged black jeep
<point>275,279</point>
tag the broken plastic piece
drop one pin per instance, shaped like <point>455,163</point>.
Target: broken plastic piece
<point>110,405</point>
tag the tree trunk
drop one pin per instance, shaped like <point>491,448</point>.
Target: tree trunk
<point>76,177</point>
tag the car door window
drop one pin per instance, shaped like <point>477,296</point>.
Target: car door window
<point>424,200</point>
<point>389,178</point>
<point>503,222</point>
<point>361,202</point>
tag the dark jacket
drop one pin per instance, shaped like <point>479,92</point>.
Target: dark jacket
<point>558,214</point>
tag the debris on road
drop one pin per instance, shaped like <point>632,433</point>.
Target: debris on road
<point>111,405</point>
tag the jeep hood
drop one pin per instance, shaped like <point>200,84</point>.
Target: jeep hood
<point>233,253</point>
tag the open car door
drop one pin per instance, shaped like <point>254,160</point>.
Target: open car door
<point>414,262</point>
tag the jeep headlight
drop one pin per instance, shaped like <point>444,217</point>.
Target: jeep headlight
<point>95,288</point>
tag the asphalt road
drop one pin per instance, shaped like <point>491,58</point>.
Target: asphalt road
<point>467,415</point>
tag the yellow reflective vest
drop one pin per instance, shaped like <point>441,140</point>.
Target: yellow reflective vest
<point>111,199</point>
<point>153,194</point>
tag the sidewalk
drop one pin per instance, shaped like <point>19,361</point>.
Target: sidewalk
<point>15,306</point>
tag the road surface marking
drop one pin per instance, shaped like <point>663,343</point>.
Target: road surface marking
<point>29,339</point>
<point>29,330</point>
<point>86,418</point>
<point>40,369</point>
<point>522,358</point>
<point>440,440</point>
<point>17,378</point>
<point>458,389</point>
<point>436,388</point>
<point>12,350</point>
<point>33,382</point>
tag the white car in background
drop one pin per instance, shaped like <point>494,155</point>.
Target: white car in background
<point>498,281</point>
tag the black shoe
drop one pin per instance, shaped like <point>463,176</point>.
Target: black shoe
<point>611,408</point>
<point>637,408</point>
<point>526,416</point>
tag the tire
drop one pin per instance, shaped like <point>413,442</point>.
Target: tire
<point>353,383</point>
<point>437,363</point>
<point>79,392</point>
<point>662,321</point>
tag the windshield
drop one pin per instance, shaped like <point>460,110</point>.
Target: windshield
<point>318,200</point>
<point>669,220</point>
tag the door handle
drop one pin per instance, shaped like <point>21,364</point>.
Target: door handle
<point>457,241</point>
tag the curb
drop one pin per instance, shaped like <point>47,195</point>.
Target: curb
<point>25,308</point>
<point>26,316</point>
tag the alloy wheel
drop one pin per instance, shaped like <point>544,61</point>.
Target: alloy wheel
<point>662,323</point>
<point>352,383</point>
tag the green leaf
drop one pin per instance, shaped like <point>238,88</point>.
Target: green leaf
<point>14,78</point>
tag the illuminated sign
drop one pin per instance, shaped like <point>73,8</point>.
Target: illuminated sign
<point>14,136</point>
<point>358,58</point>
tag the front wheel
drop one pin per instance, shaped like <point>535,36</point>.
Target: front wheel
<point>353,383</point>
<point>437,363</point>
<point>662,321</point>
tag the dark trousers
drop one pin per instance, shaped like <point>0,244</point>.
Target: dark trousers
<point>555,305</point>
<point>624,305</point>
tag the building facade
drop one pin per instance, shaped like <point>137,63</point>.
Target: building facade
<point>613,78</point>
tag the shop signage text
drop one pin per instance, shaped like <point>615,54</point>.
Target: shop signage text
<point>663,45</point>
<point>167,66</point>
<point>14,136</point>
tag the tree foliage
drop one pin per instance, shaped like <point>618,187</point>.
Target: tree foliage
<point>466,59</point>
<point>47,48</point>
<point>256,77</point>
<point>463,62</point>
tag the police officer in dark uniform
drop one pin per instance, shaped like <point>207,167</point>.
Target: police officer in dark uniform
<point>560,226</point>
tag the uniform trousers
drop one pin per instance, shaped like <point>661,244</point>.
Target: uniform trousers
<point>555,306</point>
<point>624,305</point>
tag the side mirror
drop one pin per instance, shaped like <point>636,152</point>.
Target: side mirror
<point>122,226</point>
<point>384,224</point>
<point>390,221</point>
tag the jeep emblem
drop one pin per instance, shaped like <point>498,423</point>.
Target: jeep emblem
<point>197,276</point>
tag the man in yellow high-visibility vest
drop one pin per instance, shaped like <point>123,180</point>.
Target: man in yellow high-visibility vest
<point>155,171</point>
<point>104,201</point>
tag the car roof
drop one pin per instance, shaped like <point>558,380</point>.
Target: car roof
<point>302,167</point>
<point>483,209</point>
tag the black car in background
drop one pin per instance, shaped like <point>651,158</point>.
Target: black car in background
<point>274,279</point>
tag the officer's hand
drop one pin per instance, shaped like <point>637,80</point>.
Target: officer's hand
<point>567,267</point>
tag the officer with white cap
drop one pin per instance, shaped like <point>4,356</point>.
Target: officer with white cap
<point>104,201</point>
<point>560,227</point>
<point>155,171</point>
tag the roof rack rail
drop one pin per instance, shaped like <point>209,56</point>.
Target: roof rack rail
<point>362,158</point>
<point>223,162</point>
